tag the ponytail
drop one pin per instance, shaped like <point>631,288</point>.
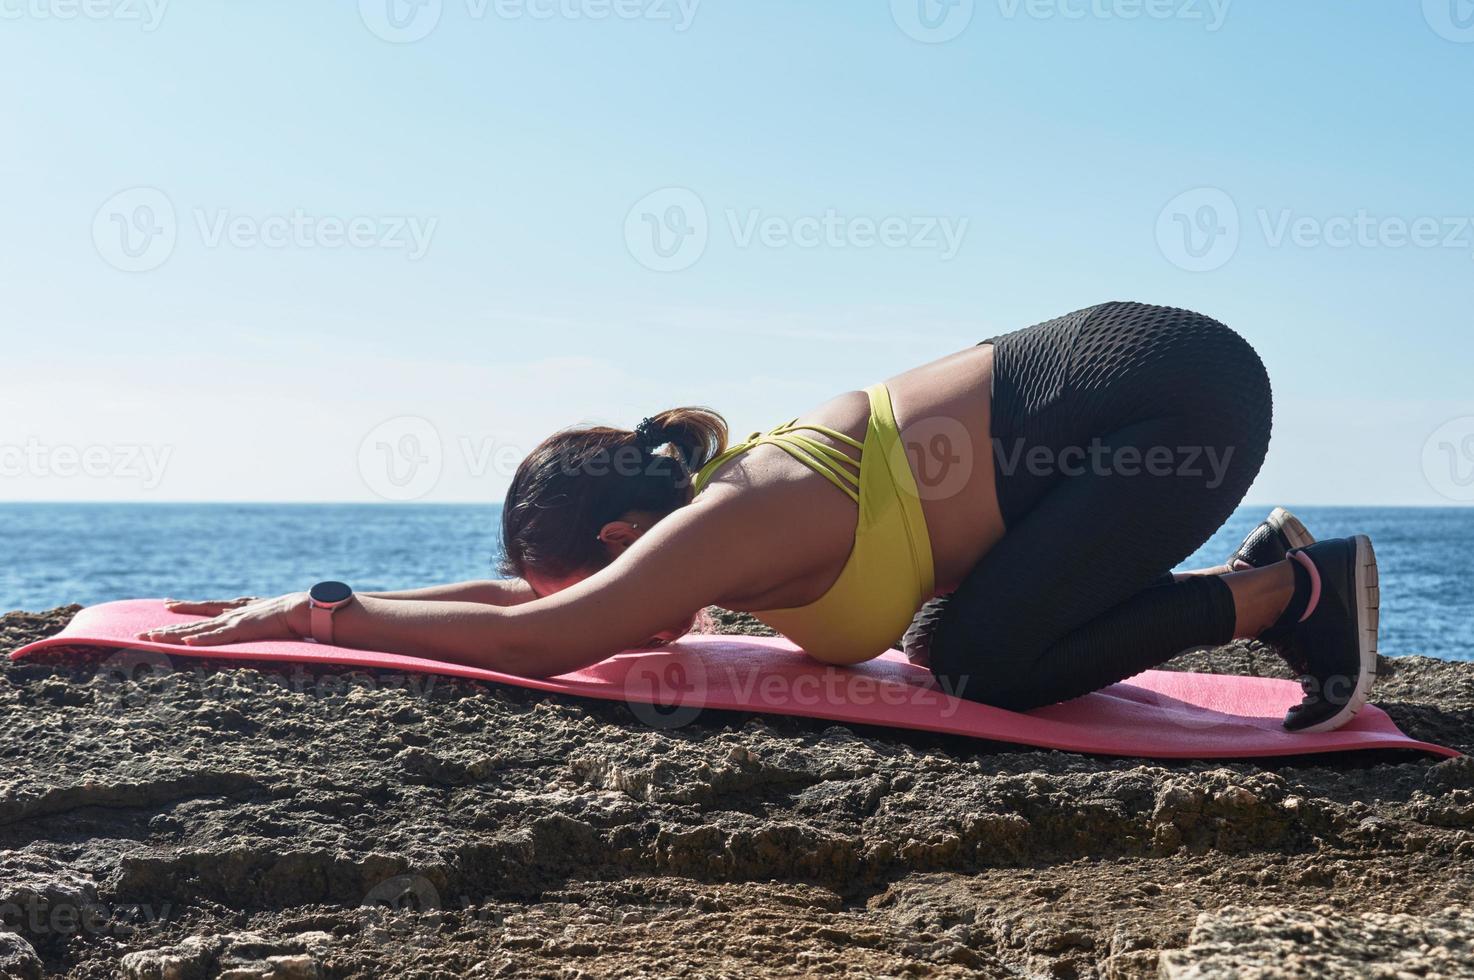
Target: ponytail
<point>695,435</point>
<point>578,480</point>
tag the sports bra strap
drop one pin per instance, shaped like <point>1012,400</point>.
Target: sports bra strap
<point>823,430</point>
<point>828,461</point>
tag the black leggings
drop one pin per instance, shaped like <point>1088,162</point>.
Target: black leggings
<point>1123,436</point>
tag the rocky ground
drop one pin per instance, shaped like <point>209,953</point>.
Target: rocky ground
<point>175,821</point>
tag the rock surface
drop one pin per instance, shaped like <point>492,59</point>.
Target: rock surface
<point>1254,943</point>
<point>18,960</point>
<point>167,819</point>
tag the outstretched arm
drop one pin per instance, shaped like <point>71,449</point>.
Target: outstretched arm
<point>661,581</point>
<point>502,592</point>
<point>491,592</point>
<point>699,555</point>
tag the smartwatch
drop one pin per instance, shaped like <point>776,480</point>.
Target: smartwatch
<point>326,598</point>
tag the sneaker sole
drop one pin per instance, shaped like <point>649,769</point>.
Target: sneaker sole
<point>1369,595</point>
<point>1290,528</point>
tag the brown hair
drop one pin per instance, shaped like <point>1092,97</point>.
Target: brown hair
<point>578,480</point>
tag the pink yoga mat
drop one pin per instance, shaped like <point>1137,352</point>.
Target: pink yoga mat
<point>1157,714</point>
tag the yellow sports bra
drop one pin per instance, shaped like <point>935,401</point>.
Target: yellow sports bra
<point>889,573</point>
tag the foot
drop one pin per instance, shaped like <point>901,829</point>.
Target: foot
<point>1335,641</point>
<point>1271,541</point>
<point>916,643</point>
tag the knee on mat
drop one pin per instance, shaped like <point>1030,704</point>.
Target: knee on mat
<point>963,669</point>
<point>993,688</point>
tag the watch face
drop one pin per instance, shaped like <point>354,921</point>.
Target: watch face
<point>330,593</point>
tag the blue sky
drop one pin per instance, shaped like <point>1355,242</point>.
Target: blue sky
<point>281,251</point>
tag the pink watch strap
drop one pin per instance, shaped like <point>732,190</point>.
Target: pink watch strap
<point>322,624</point>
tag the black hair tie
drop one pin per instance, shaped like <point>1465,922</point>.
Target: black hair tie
<point>649,434</point>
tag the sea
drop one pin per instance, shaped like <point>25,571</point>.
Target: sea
<point>54,554</point>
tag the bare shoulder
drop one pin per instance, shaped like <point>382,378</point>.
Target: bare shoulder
<point>743,521</point>
<point>785,529</point>
<point>719,547</point>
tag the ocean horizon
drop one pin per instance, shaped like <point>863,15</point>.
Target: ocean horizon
<point>82,552</point>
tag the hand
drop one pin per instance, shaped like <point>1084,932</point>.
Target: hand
<point>237,621</point>
<point>209,607</point>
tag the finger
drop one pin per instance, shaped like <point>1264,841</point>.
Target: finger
<point>210,607</point>
<point>163,633</point>
<point>195,627</point>
<point>207,607</point>
<point>211,638</point>
<point>157,637</point>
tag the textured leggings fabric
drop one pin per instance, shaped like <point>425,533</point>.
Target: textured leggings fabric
<point>1124,436</point>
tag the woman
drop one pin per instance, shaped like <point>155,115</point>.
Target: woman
<point>1043,483</point>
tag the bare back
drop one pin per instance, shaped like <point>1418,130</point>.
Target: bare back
<point>944,413</point>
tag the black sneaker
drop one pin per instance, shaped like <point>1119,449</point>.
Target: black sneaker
<point>1275,537</point>
<point>1335,648</point>
<point>1272,541</point>
<point>916,643</point>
